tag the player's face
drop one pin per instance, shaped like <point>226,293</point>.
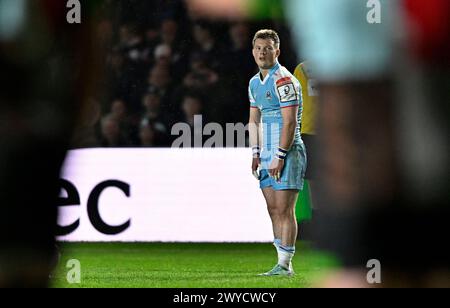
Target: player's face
<point>265,53</point>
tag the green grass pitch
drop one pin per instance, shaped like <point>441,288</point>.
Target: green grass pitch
<point>159,265</point>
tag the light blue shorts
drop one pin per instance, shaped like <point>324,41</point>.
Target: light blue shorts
<point>292,177</point>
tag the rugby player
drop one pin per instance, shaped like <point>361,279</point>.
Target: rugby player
<point>279,155</point>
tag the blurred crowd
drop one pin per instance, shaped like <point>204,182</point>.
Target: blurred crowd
<point>165,66</point>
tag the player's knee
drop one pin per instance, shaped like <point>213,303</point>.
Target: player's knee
<point>274,211</point>
<point>285,212</point>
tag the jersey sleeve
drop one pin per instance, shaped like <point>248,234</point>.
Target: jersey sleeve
<point>287,90</point>
<point>251,97</point>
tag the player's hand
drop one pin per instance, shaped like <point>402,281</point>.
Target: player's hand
<point>276,169</point>
<point>256,163</point>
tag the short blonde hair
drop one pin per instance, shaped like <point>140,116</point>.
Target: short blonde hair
<point>265,34</point>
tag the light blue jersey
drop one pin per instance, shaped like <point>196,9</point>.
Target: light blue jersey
<point>280,89</point>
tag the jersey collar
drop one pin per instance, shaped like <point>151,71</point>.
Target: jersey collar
<point>271,72</point>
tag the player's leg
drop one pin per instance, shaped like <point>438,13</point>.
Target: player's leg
<point>285,208</point>
<point>285,203</point>
<point>286,194</point>
<point>284,211</point>
<point>269,195</point>
<point>275,216</point>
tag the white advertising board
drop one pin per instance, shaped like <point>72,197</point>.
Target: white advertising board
<point>162,195</point>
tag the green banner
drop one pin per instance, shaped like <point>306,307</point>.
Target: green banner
<point>303,208</point>
<point>265,9</point>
